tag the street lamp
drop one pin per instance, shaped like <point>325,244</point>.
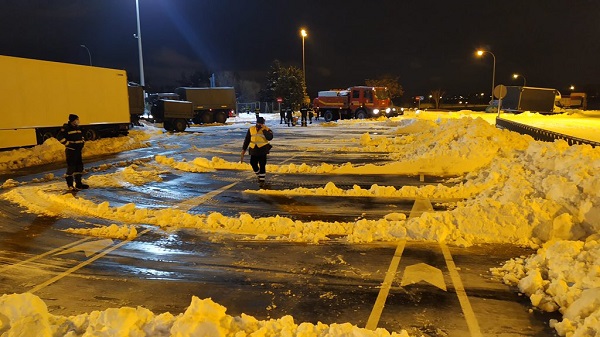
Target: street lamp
<point>515,76</point>
<point>572,87</point>
<point>88,51</point>
<point>480,53</point>
<point>303,34</point>
<point>138,36</point>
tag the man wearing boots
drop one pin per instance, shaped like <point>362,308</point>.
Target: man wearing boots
<point>71,136</point>
<point>257,139</point>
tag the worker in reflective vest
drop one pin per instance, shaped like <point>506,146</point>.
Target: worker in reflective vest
<point>257,140</point>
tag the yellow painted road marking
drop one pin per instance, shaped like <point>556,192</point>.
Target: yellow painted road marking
<point>84,263</point>
<point>385,288</point>
<point>461,293</point>
<point>51,252</point>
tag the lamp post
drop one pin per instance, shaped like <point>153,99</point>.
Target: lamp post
<point>480,53</point>
<point>138,36</point>
<point>515,76</point>
<point>303,34</point>
<point>88,51</point>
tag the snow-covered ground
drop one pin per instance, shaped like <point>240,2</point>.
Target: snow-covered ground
<point>510,189</point>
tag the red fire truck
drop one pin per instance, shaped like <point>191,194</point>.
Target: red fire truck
<point>354,102</point>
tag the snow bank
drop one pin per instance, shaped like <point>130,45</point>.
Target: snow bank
<point>53,151</point>
<point>27,315</point>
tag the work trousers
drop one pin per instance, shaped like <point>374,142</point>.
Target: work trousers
<point>259,165</point>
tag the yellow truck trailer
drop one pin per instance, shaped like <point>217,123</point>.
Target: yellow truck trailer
<point>38,96</point>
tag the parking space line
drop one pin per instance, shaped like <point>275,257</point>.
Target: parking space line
<point>51,252</point>
<point>188,204</point>
<point>84,263</point>
<point>385,288</point>
<point>472,322</point>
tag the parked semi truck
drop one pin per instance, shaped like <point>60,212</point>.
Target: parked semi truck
<point>38,96</point>
<point>354,102</point>
<point>210,104</point>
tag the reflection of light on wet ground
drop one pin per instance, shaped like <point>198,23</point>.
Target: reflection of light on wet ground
<point>160,247</point>
<point>150,274</point>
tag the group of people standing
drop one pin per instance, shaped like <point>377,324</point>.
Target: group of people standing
<point>286,116</point>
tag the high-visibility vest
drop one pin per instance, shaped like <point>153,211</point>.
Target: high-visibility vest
<point>257,138</point>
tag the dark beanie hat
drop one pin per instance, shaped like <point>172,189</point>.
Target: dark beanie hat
<point>260,120</point>
<point>72,117</point>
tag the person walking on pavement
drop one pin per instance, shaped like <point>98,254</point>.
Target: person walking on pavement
<point>71,137</point>
<point>257,141</point>
<point>311,114</point>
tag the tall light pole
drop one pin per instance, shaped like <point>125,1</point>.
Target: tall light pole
<point>89,54</point>
<point>303,34</point>
<point>138,36</point>
<point>515,76</point>
<point>480,53</point>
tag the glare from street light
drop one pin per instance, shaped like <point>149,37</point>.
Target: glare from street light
<point>480,52</point>
<point>515,76</point>
<point>303,33</point>
<point>572,87</point>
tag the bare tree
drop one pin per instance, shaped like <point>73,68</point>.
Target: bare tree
<point>389,81</point>
<point>437,95</point>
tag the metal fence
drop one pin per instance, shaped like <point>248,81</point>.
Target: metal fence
<point>265,107</point>
<point>541,134</point>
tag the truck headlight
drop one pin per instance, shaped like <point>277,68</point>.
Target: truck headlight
<point>375,111</point>
<point>387,111</point>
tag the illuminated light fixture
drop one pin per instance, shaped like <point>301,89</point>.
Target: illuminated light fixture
<point>480,52</point>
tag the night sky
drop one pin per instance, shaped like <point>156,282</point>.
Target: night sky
<point>427,44</point>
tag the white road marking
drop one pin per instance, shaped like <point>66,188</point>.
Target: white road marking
<point>188,204</point>
<point>84,263</point>
<point>37,257</point>
<point>89,248</point>
<point>385,288</point>
<point>472,322</point>
<point>423,272</point>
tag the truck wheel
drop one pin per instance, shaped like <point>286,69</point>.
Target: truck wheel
<point>168,125</point>
<point>207,118</point>
<point>90,134</point>
<point>179,125</point>
<point>45,135</point>
<point>221,117</point>
<point>328,115</point>
<point>361,114</point>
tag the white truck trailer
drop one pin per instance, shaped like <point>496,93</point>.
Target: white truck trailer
<point>38,96</point>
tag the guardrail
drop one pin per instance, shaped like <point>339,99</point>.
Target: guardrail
<point>541,134</point>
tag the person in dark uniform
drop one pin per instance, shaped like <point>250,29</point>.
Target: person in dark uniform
<point>282,116</point>
<point>257,112</point>
<point>257,140</point>
<point>303,115</point>
<point>311,114</point>
<point>71,137</point>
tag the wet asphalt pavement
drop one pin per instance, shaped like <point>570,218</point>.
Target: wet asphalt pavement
<point>330,282</point>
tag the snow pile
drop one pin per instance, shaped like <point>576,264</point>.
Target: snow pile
<point>113,231</point>
<point>27,315</point>
<point>131,175</point>
<point>564,276</point>
<point>53,151</point>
